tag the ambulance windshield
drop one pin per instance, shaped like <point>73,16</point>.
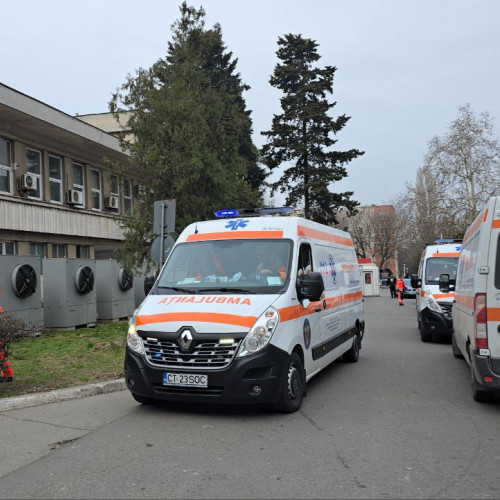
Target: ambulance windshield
<point>436,266</point>
<point>220,266</point>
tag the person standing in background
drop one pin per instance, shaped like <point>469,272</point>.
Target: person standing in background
<point>392,286</point>
<point>400,289</point>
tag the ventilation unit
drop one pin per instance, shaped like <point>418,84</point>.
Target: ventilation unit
<point>115,291</point>
<point>20,287</point>
<point>75,197</point>
<point>27,182</point>
<point>112,202</point>
<point>69,294</point>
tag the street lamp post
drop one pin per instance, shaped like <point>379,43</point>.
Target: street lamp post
<point>404,270</point>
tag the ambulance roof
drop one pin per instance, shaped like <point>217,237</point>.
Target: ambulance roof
<point>263,227</point>
<point>444,250</point>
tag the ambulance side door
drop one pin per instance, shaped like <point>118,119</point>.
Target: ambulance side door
<point>311,318</point>
<point>333,315</point>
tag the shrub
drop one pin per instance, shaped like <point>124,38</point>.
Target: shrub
<point>13,328</point>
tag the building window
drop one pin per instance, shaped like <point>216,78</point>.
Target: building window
<point>55,179</point>
<point>5,167</point>
<point>127,196</point>
<point>82,251</point>
<point>8,248</point>
<point>95,187</point>
<point>34,167</point>
<point>79,180</point>
<point>37,249</point>
<point>58,251</point>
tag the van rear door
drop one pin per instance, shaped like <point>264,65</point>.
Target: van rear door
<point>493,286</point>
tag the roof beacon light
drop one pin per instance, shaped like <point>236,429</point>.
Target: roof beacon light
<point>441,241</point>
<point>253,212</point>
<point>226,213</point>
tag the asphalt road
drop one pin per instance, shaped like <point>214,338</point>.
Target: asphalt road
<point>400,423</point>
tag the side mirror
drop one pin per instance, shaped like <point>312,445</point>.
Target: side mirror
<point>310,287</point>
<point>149,281</point>
<point>415,281</point>
<point>444,283</point>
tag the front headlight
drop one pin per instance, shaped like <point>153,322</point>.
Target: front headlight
<point>432,304</point>
<point>260,334</point>
<point>133,340</point>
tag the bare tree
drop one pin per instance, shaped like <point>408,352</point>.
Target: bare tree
<point>360,228</point>
<point>466,166</point>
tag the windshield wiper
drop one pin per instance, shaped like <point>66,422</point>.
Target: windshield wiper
<point>226,289</point>
<point>178,289</point>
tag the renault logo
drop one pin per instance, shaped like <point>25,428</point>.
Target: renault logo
<point>185,340</point>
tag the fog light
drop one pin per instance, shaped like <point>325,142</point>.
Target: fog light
<point>256,390</point>
<point>131,382</point>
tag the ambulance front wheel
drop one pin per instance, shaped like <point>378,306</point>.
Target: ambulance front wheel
<point>293,387</point>
<point>425,335</point>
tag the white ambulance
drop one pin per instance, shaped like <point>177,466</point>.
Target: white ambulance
<point>434,307</point>
<point>476,314</point>
<point>246,309</point>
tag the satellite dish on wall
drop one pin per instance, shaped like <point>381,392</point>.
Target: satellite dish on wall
<point>125,280</point>
<point>24,281</point>
<point>84,280</point>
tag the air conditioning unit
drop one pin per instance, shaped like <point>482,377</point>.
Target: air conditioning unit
<point>75,197</point>
<point>112,202</point>
<point>139,189</point>
<point>27,182</point>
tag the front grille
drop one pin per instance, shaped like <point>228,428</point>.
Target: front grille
<point>447,308</point>
<point>167,354</point>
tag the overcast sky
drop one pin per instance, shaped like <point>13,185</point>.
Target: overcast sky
<point>403,67</point>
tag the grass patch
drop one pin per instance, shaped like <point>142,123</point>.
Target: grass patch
<point>57,360</point>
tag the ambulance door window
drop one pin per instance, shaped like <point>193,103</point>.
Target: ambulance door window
<point>305,260</point>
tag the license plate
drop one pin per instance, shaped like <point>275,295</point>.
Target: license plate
<point>185,379</point>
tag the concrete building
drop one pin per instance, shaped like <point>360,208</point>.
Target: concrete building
<point>58,197</point>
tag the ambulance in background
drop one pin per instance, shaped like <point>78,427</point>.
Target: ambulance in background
<point>434,307</point>
<point>476,314</point>
<point>222,325</point>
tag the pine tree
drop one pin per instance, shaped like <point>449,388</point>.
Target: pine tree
<point>192,133</point>
<point>301,137</point>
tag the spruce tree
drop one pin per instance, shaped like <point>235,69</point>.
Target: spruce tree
<point>301,138</point>
<point>192,133</point>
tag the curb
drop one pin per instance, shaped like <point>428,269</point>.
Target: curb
<point>41,398</point>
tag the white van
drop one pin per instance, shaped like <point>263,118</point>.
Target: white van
<point>434,307</point>
<point>223,324</point>
<point>476,314</point>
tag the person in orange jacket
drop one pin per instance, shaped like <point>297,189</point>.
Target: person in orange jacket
<point>6,373</point>
<point>400,289</point>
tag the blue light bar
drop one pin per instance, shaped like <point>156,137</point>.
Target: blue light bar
<point>253,212</point>
<point>226,213</point>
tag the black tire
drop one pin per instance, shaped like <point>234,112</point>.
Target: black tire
<point>454,347</point>
<point>479,394</point>
<point>293,388</point>
<point>143,400</point>
<point>352,355</point>
<point>425,335</point>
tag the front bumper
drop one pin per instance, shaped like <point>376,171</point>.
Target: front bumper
<point>435,322</point>
<point>233,384</point>
<point>485,366</point>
